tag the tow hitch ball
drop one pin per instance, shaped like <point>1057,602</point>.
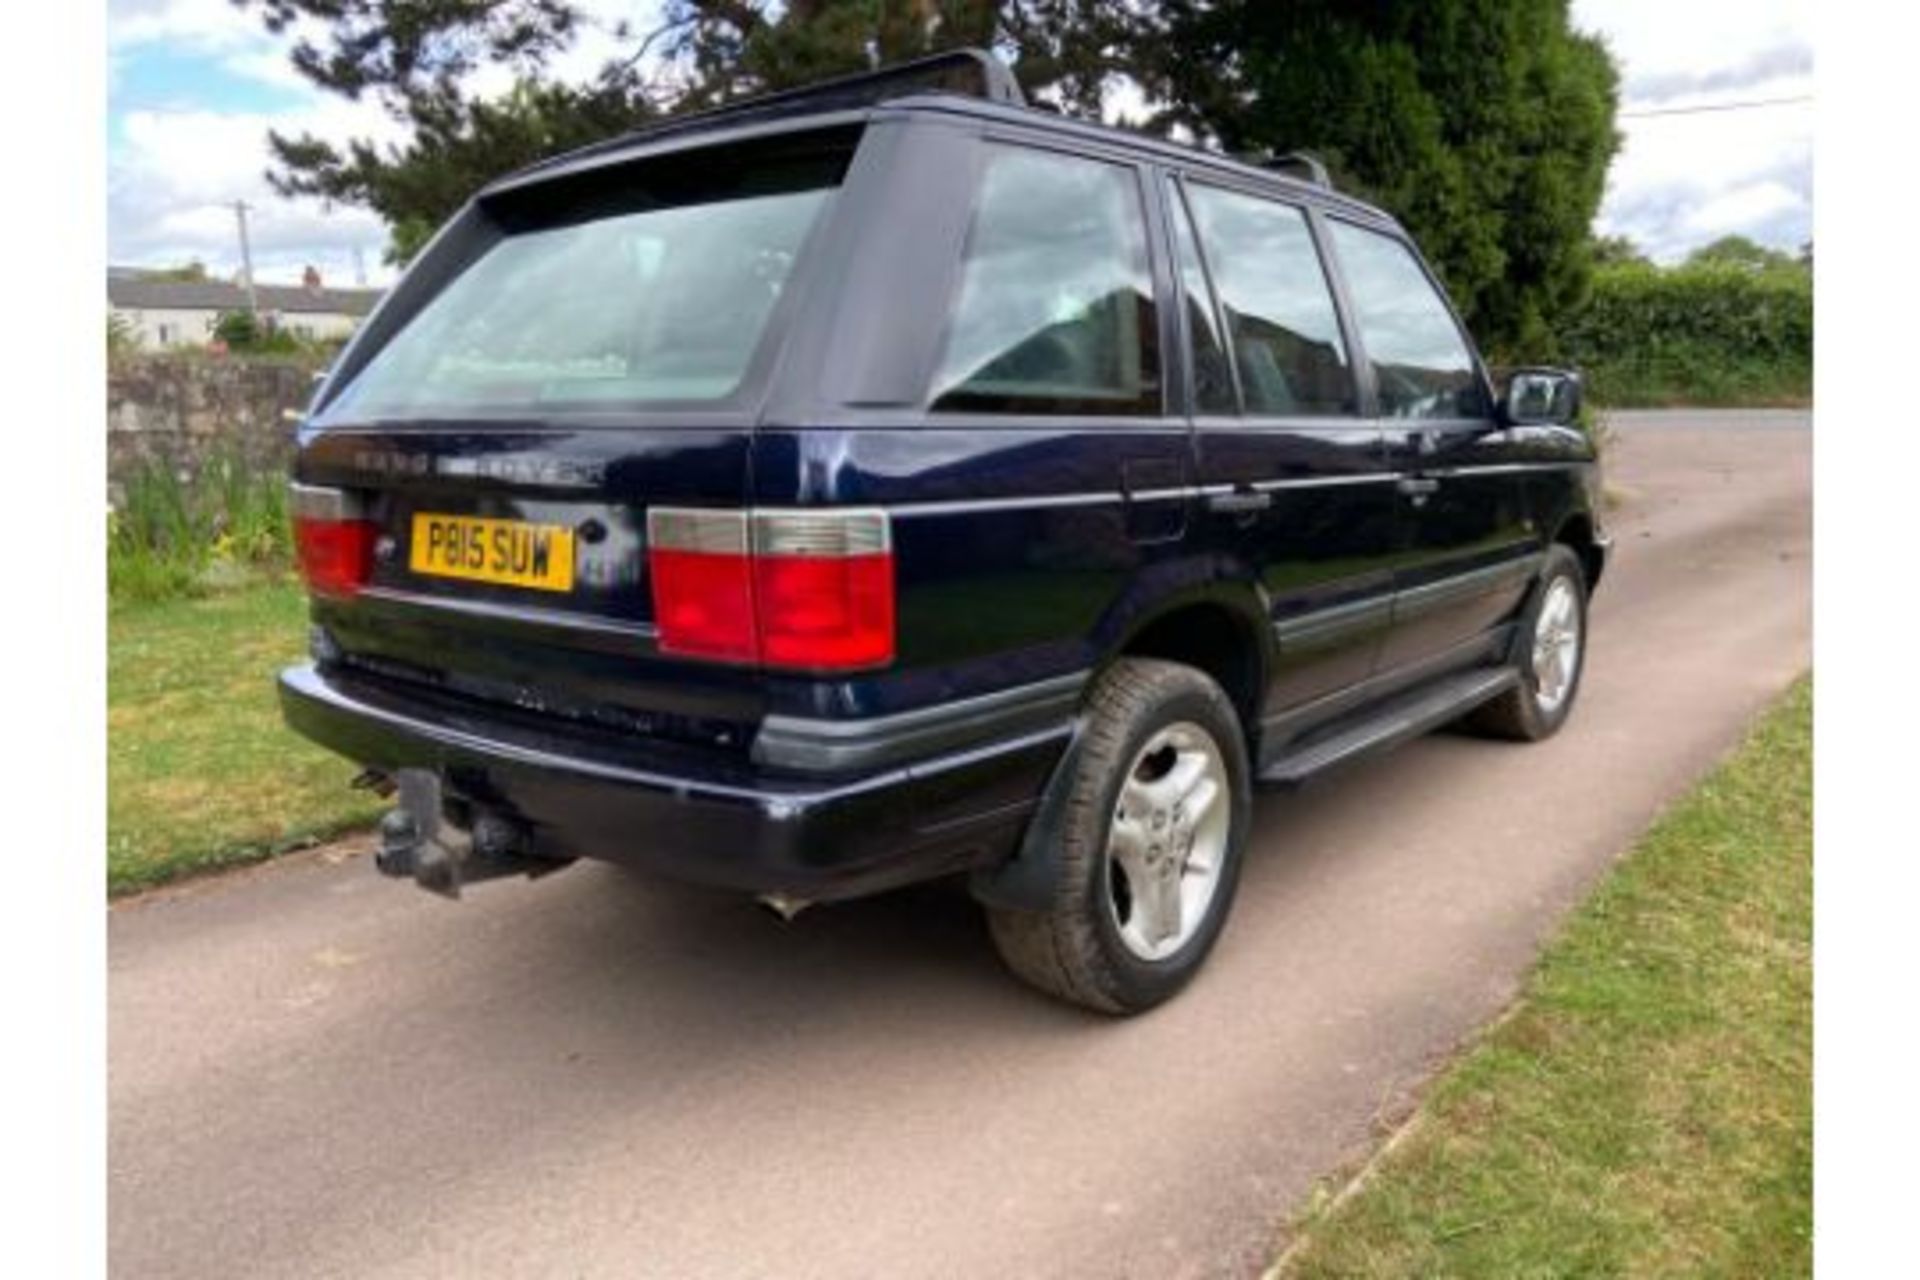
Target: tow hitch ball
<point>419,841</point>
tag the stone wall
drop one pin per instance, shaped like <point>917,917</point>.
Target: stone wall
<point>181,410</point>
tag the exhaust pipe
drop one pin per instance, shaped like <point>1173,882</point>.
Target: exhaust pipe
<point>420,842</point>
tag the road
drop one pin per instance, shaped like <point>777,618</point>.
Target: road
<point>315,1072</point>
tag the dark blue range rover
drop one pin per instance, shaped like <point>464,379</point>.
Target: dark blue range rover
<point>890,481</point>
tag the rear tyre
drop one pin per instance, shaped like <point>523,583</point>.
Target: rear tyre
<point>1153,810</point>
<point>1553,654</point>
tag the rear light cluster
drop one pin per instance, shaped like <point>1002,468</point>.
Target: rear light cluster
<point>333,538</point>
<point>808,590</point>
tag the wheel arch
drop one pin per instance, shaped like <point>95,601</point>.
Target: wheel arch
<point>1222,633</point>
<point>1220,630</point>
<point>1576,531</point>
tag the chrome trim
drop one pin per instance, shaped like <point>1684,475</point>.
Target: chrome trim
<point>321,502</point>
<point>1326,482</point>
<point>1500,468</point>
<point>1093,497</point>
<point>960,506</point>
<point>709,530</point>
<point>834,532</point>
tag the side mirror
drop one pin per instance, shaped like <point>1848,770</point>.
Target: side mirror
<point>1540,397</point>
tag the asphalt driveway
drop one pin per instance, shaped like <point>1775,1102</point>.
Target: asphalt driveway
<point>317,1072</point>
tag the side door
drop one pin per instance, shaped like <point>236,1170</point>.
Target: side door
<point>1468,545</point>
<point>1296,490</point>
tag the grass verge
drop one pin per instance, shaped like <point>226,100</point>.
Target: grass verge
<point>200,771</point>
<point>1647,1108</point>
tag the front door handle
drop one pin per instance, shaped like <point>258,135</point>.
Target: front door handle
<point>1417,486</point>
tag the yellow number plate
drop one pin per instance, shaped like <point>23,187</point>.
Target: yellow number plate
<point>511,552</point>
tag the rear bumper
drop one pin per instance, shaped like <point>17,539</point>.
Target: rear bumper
<point>730,824</point>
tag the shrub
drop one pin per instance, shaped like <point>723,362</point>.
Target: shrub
<point>179,533</point>
<point>242,333</point>
<point>1704,333</point>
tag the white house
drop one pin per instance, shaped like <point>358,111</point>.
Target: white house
<point>173,313</point>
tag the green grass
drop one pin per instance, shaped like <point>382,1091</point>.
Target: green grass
<point>200,771</point>
<point>1647,1109</point>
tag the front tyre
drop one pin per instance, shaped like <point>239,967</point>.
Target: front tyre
<point>1153,811</point>
<point>1553,655</point>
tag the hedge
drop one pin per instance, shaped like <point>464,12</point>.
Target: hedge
<point>1696,334</point>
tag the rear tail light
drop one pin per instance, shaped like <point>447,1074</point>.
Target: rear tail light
<point>806,590</point>
<point>333,540</point>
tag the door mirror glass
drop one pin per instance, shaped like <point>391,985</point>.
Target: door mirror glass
<point>1540,397</point>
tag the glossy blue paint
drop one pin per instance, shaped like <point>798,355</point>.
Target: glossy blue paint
<point>1026,549</point>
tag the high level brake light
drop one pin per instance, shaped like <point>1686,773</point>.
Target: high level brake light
<point>334,542</point>
<point>804,590</point>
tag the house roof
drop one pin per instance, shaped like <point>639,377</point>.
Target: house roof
<point>221,295</point>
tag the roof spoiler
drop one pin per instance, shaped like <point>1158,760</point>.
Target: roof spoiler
<point>973,73</point>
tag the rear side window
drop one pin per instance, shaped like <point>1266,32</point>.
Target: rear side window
<point>1421,363</point>
<point>1280,315</point>
<point>655,286</point>
<point>1054,311</point>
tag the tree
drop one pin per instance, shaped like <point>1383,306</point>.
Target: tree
<point>194,271</point>
<point>239,330</point>
<point>1739,251</point>
<point>1613,251</point>
<point>414,56</point>
<point>121,338</point>
<point>1485,126</point>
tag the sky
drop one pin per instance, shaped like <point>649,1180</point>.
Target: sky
<point>195,85</point>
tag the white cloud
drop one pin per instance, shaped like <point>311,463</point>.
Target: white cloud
<point>175,171</point>
<point>197,25</point>
<point>171,188</point>
<point>1678,181</point>
<point>1681,180</point>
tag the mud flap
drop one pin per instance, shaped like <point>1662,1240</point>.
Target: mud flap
<point>1029,879</point>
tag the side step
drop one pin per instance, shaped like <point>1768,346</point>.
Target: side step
<point>1405,717</point>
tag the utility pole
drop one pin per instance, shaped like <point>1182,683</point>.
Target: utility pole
<point>240,209</point>
<point>360,265</point>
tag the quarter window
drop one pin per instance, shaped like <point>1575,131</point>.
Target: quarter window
<point>1421,362</point>
<point>1281,321</point>
<point>1054,312</point>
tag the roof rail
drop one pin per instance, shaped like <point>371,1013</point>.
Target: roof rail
<point>1300,164</point>
<point>973,72</point>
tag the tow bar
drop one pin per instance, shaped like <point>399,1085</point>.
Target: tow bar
<point>419,840</point>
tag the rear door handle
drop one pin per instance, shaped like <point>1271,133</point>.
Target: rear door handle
<point>1239,501</point>
<point>1417,486</point>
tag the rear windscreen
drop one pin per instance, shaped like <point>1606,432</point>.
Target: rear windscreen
<point>654,283</point>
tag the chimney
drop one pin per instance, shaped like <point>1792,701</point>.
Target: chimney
<point>310,279</point>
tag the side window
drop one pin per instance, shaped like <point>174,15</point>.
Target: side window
<point>1212,378</point>
<point>1280,315</point>
<point>1420,360</point>
<point>1054,312</point>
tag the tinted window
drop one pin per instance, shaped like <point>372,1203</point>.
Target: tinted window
<point>1280,314</point>
<point>1421,363</point>
<point>1212,379</point>
<point>636,294</point>
<point>1054,312</point>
